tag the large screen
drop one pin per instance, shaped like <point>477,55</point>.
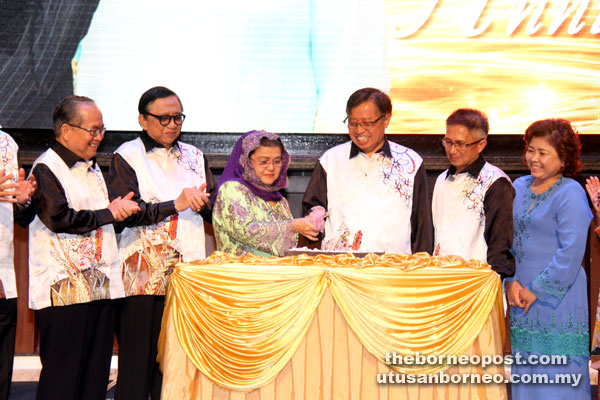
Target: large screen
<point>290,65</point>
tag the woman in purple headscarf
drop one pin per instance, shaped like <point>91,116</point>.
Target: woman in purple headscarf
<point>250,215</point>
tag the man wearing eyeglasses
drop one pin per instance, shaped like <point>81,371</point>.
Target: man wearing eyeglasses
<point>172,183</point>
<point>375,191</point>
<point>472,200</point>
<point>73,256</point>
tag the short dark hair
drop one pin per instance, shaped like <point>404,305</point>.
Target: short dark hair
<point>379,98</point>
<point>157,92</point>
<point>266,142</point>
<point>67,112</point>
<point>565,140</point>
<point>473,120</point>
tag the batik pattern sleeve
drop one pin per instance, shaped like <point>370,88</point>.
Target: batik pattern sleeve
<point>421,237</point>
<point>121,180</point>
<point>245,223</point>
<point>498,233</point>
<point>53,209</point>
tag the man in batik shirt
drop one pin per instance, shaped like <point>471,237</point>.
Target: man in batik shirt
<point>473,200</point>
<point>172,184</point>
<point>73,257</point>
<point>374,190</point>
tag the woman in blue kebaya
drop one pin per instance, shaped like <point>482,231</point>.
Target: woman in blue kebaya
<point>548,294</point>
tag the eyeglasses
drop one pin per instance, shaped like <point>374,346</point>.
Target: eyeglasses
<point>364,125</point>
<point>93,132</point>
<point>165,120</point>
<point>447,143</point>
<point>262,163</point>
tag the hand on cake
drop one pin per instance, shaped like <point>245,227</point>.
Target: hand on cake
<point>305,227</point>
<point>317,217</point>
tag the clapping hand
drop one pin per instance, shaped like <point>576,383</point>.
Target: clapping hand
<point>592,185</point>
<point>19,192</point>
<point>192,197</point>
<point>122,208</point>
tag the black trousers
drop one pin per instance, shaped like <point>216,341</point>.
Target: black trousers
<point>8,329</point>
<point>75,349</point>
<point>138,325</point>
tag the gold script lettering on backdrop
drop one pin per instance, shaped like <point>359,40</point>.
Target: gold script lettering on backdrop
<point>519,11</point>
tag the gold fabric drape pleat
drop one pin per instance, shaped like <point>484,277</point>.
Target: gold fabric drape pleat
<point>240,320</point>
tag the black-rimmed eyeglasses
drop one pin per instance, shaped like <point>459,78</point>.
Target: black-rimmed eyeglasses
<point>165,120</point>
<point>459,145</point>
<point>364,125</point>
<point>93,132</point>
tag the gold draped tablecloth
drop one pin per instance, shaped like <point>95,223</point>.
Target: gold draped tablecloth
<point>319,327</point>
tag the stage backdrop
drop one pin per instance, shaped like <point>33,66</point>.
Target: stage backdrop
<point>289,66</point>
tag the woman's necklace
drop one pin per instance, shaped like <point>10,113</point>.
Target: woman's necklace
<point>541,188</point>
<point>272,208</point>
